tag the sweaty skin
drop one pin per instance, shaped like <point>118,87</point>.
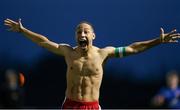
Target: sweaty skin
<point>84,74</point>
<point>85,68</point>
<point>85,61</point>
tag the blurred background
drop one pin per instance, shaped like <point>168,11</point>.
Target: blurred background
<point>130,82</point>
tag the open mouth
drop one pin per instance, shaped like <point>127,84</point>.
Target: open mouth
<point>83,42</point>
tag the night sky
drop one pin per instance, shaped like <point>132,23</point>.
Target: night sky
<point>116,22</point>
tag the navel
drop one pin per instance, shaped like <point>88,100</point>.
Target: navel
<point>97,69</point>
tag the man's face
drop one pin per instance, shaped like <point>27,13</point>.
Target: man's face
<point>172,81</point>
<point>84,36</point>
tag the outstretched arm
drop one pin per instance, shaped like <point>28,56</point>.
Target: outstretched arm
<point>37,38</point>
<point>139,47</point>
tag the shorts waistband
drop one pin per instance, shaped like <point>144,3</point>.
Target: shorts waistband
<point>82,102</point>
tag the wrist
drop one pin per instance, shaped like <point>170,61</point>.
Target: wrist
<point>21,29</point>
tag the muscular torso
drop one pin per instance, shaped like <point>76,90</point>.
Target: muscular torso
<point>84,75</point>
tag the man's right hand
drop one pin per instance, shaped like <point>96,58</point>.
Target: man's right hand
<point>13,25</point>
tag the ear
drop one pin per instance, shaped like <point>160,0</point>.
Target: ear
<point>94,36</point>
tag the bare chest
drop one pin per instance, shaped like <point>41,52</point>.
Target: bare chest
<point>86,66</point>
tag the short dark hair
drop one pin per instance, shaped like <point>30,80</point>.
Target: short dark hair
<point>85,22</point>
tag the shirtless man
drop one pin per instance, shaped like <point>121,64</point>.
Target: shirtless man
<point>85,61</point>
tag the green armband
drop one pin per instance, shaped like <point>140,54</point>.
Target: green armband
<point>120,51</point>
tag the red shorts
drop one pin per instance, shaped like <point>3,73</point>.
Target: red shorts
<point>70,104</point>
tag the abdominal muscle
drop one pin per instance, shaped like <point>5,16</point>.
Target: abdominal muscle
<point>83,88</point>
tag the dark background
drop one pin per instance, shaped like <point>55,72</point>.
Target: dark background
<point>129,82</point>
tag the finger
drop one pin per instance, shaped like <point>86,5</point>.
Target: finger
<point>176,37</point>
<point>173,31</point>
<point>162,30</point>
<point>11,20</point>
<point>20,22</point>
<point>173,35</point>
<point>13,23</point>
<point>6,21</point>
<point>8,24</point>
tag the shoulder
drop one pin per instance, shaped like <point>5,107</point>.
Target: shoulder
<point>98,50</point>
<point>65,46</point>
<point>65,49</point>
<point>107,51</point>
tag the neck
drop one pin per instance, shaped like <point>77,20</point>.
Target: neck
<point>85,52</point>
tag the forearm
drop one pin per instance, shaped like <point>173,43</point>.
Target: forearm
<point>138,47</point>
<point>43,41</point>
<point>37,38</point>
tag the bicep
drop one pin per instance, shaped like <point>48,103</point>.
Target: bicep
<point>60,49</point>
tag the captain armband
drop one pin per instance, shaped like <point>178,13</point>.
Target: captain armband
<point>120,52</point>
